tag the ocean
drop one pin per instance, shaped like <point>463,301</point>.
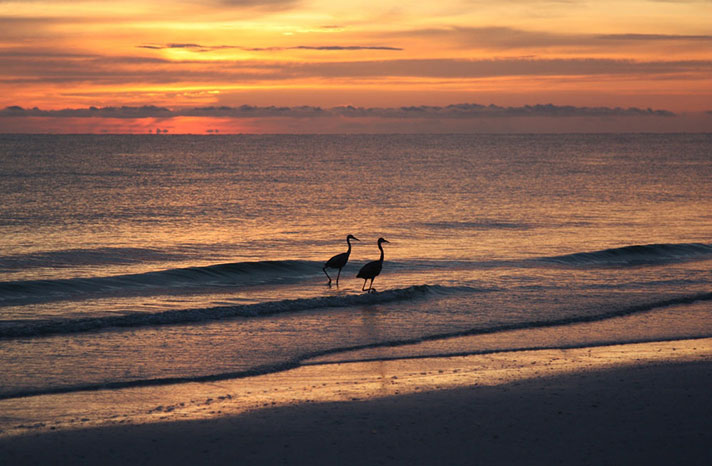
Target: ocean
<point>135,260</point>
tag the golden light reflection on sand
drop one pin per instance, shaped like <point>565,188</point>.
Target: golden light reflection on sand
<point>349,382</point>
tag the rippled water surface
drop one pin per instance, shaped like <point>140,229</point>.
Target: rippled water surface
<point>133,259</point>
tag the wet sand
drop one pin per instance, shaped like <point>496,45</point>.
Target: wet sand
<point>627,404</point>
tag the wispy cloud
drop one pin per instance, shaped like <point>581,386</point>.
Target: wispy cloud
<point>209,48</point>
<point>332,47</point>
<point>233,3</point>
<point>473,69</point>
<point>195,47</point>
<point>256,3</point>
<point>47,66</point>
<point>501,37</point>
<point>458,111</point>
<point>654,37</point>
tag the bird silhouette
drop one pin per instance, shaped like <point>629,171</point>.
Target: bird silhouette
<point>372,269</point>
<point>339,260</point>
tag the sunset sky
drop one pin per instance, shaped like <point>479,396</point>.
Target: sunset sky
<point>252,65</point>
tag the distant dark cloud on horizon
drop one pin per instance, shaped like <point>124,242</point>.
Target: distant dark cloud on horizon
<point>457,111</point>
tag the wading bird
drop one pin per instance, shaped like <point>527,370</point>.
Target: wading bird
<point>339,260</point>
<point>372,269</point>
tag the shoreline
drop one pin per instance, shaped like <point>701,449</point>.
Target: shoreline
<point>371,407</point>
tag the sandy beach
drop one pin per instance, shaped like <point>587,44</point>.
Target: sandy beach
<point>644,403</point>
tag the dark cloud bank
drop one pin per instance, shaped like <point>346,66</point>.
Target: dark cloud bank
<point>458,111</point>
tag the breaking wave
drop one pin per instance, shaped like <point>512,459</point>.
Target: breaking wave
<point>182,316</point>
<point>406,293</point>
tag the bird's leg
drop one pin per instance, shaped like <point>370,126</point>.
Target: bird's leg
<point>337,277</point>
<point>370,286</point>
<point>327,275</point>
<point>363,288</point>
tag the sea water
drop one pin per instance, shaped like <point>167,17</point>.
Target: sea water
<point>144,259</point>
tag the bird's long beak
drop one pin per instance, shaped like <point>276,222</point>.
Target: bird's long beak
<point>353,237</point>
<point>386,241</point>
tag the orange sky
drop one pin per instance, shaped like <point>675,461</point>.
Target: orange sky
<point>183,54</point>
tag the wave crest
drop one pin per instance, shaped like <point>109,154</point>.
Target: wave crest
<point>648,254</point>
<point>184,316</point>
<point>218,275</point>
<point>82,256</point>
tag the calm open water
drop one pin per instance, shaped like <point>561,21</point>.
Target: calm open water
<point>130,260</point>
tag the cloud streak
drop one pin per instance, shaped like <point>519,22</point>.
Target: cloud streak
<point>45,66</point>
<point>211,48</point>
<point>655,37</point>
<point>457,111</point>
<point>262,4</point>
<point>502,37</point>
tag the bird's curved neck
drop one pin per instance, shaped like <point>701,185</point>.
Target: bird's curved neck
<point>348,241</point>
<point>381,248</point>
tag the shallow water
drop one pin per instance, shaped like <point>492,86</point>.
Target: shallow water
<point>135,259</point>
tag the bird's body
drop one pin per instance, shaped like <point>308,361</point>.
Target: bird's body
<point>339,260</point>
<point>372,269</point>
